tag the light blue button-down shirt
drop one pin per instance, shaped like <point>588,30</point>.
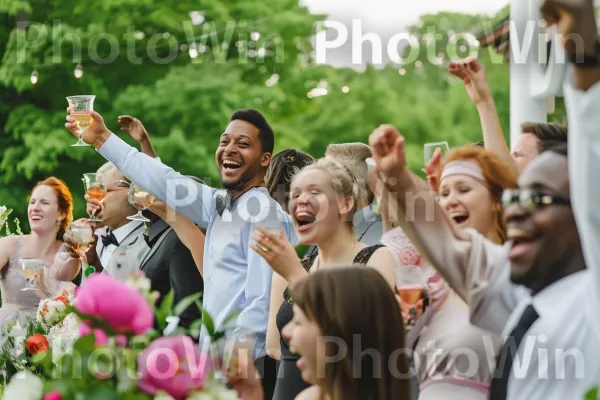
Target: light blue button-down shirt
<point>235,277</point>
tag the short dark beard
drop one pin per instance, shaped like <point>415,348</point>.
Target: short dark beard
<point>241,184</point>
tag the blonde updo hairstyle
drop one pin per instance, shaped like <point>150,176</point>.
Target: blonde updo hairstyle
<point>342,181</point>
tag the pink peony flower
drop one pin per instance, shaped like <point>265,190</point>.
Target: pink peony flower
<point>53,395</point>
<point>99,334</point>
<point>410,256</point>
<point>116,303</point>
<point>173,364</point>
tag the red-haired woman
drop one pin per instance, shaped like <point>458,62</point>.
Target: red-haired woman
<point>451,355</point>
<point>50,211</point>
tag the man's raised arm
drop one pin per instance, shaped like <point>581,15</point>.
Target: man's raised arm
<point>182,194</point>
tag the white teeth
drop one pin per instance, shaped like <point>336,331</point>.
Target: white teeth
<point>516,233</point>
<point>231,164</point>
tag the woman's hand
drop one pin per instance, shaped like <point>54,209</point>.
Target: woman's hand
<point>411,313</point>
<point>432,169</point>
<point>278,253</point>
<point>474,77</point>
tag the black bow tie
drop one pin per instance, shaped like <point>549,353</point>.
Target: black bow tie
<point>223,201</point>
<point>109,239</point>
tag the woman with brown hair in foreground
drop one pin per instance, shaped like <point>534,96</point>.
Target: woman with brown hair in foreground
<point>348,330</point>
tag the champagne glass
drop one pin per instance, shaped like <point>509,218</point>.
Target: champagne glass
<point>31,268</point>
<point>141,200</point>
<point>84,236</point>
<point>429,150</point>
<point>81,111</point>
<point>95,188</point>
<point>411,284</point>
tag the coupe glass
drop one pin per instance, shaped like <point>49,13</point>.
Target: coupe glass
<point>81,110</point>
<point>84,235</point>
<point>141,200</point>
<point>95,188</point>
<point>31,268</point>
<point>429,150</point>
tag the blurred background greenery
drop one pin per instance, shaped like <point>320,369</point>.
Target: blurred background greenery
<point>186,103</point>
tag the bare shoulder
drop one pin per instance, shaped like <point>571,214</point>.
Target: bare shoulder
<point>383,261</point>
<point>382,254</point>
<point>8,245</point>
<point>312,393</point>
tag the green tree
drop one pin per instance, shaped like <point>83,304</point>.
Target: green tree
<point>136,58</point>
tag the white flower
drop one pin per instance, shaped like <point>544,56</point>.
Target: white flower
<point>24,386</point>
<point>51,312</point>
<point>63,336</point>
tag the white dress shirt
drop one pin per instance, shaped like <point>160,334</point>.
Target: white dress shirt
<point>120,233</point>
<point>559,358</point>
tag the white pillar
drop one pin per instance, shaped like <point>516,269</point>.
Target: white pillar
<point>523,107</point>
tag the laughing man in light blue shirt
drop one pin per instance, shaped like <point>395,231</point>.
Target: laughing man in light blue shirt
<point>235,277</point>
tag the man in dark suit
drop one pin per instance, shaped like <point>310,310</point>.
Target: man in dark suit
<point>170,265</point>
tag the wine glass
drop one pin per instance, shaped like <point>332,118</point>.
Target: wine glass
<point>141,200</point>
<point>429,150</point>
<point>411,284</point>
<point>95,188</point>
<point>84,236</point>
<point>31,268</point>
<point>81,111</point>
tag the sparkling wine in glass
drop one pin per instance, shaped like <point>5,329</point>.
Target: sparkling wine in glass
<point>94,187</point>
<point>81,111</point>
<point>430,148</point>
<point>84,235</point>
<point>31,268</point>
<point>411,284</point>
<point>141,200</point>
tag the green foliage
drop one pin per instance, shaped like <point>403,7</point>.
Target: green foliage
<point>185,104</point>
<point>592,394</point>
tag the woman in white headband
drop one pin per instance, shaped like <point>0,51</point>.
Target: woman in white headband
<point>452,357</point>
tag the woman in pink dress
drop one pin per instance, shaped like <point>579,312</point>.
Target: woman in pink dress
<point>454,360</point>
<point>50,211</point>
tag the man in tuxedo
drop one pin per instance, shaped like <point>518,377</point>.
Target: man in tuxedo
<point>170,266</point>
<point>120,245</point>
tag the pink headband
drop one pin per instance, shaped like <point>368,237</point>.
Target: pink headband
<point>465,168</point>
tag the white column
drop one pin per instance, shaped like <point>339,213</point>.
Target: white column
<point>523,42</point>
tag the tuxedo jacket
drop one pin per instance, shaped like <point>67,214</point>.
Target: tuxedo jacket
<point>170,265</point>
<point>128,256</point>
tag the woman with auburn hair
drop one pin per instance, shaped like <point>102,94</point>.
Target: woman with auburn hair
<point>50,212</point>
<point>471,181</point>
<point>323,199</point>
<point>348,314</point>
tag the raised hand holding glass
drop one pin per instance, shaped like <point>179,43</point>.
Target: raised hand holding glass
<point>31,268</point>
<point>95,188</point>
<point>141,200</point>
<point>81,111</point>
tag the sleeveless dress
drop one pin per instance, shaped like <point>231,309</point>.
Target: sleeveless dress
<point>289,378</point>
<point>15,302</point>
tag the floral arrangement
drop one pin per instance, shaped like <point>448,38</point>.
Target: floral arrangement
<point>54,325</point>
<point>115,343</point>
